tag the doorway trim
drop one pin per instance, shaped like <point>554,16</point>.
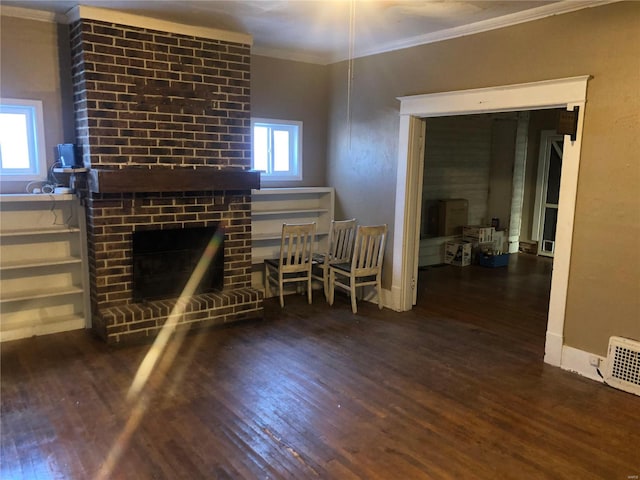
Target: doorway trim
<point>558,93</point>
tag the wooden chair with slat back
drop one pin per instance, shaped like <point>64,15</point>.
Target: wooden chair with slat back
<point>295,261</point>
<point>365,267</point>
<point>342,234</point>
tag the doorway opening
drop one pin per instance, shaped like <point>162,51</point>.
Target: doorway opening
<point>562,93</point>
<point>489,164</point>
<point>490,170</point>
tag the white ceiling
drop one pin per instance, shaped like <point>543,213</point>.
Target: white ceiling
<point>326,31</point>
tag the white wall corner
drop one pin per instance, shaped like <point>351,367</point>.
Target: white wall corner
<point>391,299</point>
<point>581,362</point>
<point>553,349</point>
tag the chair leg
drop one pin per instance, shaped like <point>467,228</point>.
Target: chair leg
<point>354,305</point>
<point>325,282</point>
<point>379,287</point>
<point>332,286</point>
<point>281,288</point>
<point>309,292</point>
<point>267,291</point>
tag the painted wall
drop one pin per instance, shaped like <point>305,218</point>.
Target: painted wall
<point>501,185</point>
<point>288,90</point>
<point>471,157</point>
<point>604,42</point>
<point>36,66</point>
<point>457,162</point>
<point>362,147</point>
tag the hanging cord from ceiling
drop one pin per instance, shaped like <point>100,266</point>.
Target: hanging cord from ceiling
<point>352,41</point>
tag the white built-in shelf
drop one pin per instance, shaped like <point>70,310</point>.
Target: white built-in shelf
<point>292,191</point>
<point>14,330</point>
<point>38,263</point>
<point>289,211</point>
<point>276,236</point>
<point>271,207</point>
<point>40,294</point>
<point>36,197</point>
<point>69,170</point>
<point>39,231</point>
<point>43,268</point>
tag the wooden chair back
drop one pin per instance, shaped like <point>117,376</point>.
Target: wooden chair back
<point>342,235</point>
<point>296,247</point>
<point>368,253</point>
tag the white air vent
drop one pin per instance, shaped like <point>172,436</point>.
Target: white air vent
<point>623,365</point>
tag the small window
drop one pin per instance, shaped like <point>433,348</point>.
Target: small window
<point>22,155</point>
<point>277,149</point>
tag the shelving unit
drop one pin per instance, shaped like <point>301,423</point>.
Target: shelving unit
<point>43,274</point>
<point>271,207</point>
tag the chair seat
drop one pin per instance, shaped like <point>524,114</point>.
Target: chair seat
<point>272,261</point>
<point>318,258</point>
<point>344,266</point>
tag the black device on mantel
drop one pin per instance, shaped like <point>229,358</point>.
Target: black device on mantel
<point>68,155</point>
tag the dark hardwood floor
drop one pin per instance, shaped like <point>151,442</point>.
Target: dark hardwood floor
<point>454,389</point>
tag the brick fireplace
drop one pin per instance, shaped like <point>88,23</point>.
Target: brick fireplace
<point>163,121</point>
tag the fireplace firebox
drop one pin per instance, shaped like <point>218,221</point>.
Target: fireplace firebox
<point>163,261</point>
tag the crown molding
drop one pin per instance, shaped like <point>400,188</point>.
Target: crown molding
<point>123,18</point>
<point>30,14</point>
<point>537,13</point>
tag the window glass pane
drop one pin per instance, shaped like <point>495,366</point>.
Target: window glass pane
<point>276,149</point>
<point>555,170</point>
<point>260,148</point>
<point>550,223</point>
<point>14,143</point>
<point>280,151</point>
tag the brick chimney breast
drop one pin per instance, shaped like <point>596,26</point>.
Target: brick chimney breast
<point>163,102</point>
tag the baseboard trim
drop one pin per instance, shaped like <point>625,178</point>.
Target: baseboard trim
<point>579,361</point>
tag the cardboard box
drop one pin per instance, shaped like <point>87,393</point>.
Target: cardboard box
<point>452,215</point>
<point>528,247</point>
<point>479,233</point>
<point>457,253</point>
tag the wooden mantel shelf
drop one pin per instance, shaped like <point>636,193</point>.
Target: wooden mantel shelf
<point>134,180</point>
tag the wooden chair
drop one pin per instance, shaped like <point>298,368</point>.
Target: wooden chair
<point>342,234</point>
<point>365,268</point>
<point>294,264</point>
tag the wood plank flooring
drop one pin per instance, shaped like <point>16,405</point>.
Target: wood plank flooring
<point>454,389</point>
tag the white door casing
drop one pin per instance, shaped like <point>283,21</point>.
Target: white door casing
<point>559,93</point>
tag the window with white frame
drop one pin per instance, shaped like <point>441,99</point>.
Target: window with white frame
<point>277,149</point>
<point>22,154</point>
